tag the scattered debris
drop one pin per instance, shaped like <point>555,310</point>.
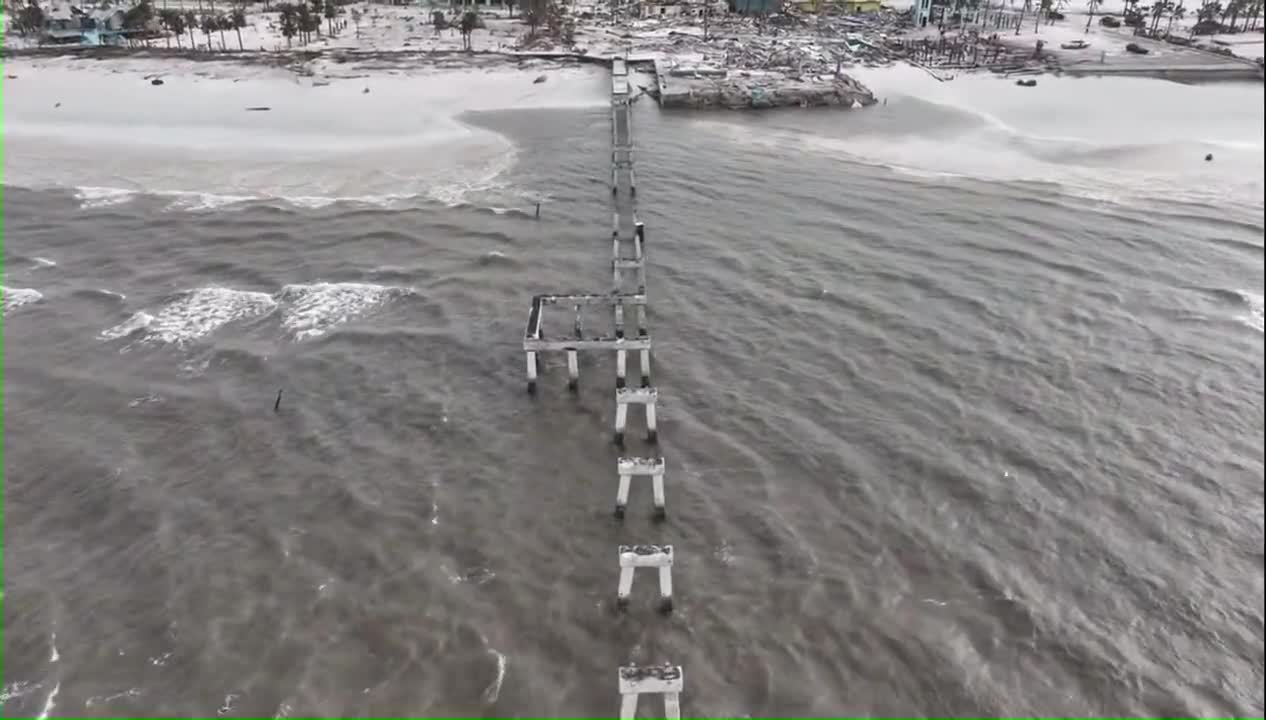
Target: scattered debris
<point>156,81</point>
<point>539,79</point>
<point>262,108</point>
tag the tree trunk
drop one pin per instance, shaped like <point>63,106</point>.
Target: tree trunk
<point>192,43</point>
<point>1090,18</point>
<point>239,39</point>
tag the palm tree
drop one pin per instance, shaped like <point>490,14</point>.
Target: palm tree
<point>208,24</point>
<point>331,12</point>
<point>317,6</point>
<point>1023,9</point>
<point>1177,13</point>
<point>1093,5</point>
<point>289,22</point>
<point>355,13</point>
<point>191,22</point>
<point>469,21</point>
<point>303,19</point>
<point>1158,11</point>
<point>238,18</point>
<point>175,23</point>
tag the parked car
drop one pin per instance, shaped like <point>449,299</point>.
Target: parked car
<point>1075,45</point>
<point>1136,49</point>
<point>1109,21</point>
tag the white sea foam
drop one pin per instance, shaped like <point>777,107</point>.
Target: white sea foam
<point>50,703</point>
<point>44,262</point>
<point>15,298</point>
<point>95,699</point>
<point>227,707</point>
<point>17,690</point>
<point>137,321</point>
<point>97,197</point>
<point>1253,318</point>
<point>194,314</point>
<point>310,311</point>
<point>53,656</point>
<point>202,201</point>
<point>493,691</point>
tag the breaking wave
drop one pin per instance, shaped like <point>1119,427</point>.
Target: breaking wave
<point>15,298</point>
<point>1253,303</point>
<point>310,310</point>
<point>306,311</point>
<point>193,314</point>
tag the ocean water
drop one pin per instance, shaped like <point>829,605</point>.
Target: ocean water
<point>962,409</point>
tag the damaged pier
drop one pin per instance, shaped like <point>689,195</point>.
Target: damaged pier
<point>626,303</point>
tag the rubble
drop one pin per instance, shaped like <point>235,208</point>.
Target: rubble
<point>758,90</point>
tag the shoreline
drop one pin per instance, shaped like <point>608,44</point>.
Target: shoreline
<point>1220,71</point>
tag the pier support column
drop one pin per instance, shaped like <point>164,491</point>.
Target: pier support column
<point>652,432</point>
<point>622,495</point>
<point>573,371</point>
<point>621,367</point>
<point>665,588</point>
<point>657,487</point>
<point>626,587</point>
<point>666,680</point>
<point>633,557</point>
<point>621,419</point>
<point>531,372</point>
<point>628,706</point>
<point>646,367</point>
<point>630,467</point>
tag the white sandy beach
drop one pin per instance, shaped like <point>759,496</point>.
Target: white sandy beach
<point>375,135</point>
<point>102,128</point>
